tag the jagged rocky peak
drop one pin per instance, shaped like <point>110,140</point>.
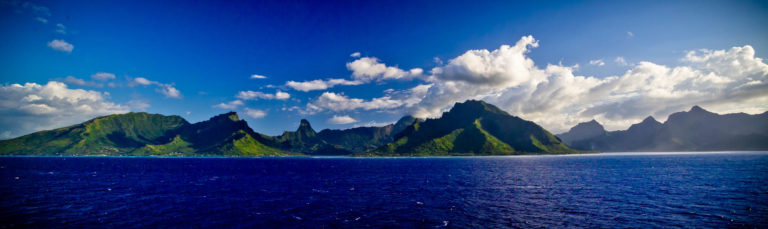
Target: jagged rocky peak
<point>304,125</point>
<point>305,129</point>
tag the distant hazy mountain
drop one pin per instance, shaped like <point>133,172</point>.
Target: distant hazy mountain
<point>363,139</point>
<point>146,134</point>
<point>694,130</point>
<point>473,128</point>
<point>584,130</point>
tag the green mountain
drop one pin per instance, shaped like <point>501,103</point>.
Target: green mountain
<point>306,141</point>
<point>146,134</point>
<point>363,139</point>
<point>472,128</point>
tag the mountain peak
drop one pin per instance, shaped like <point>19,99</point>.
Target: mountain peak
<point>231,116</point>
<point>591,124</point>
<point>650,119</point>
<point>305,128</point>
<point>475,107</point>
<point>305,124</point>
<point>698,109</point>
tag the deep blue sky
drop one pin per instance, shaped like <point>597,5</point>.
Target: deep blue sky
<point>208,49</point>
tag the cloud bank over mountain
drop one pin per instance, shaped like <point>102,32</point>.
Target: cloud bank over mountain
<point>557,97</point>
<point>34,107</point>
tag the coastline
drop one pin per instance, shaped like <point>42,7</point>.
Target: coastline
<point>403,157</point>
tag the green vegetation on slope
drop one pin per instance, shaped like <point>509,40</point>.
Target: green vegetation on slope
<point>473,128</point>
<point>145,134</point>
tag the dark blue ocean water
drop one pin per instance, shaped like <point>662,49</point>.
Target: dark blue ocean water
<point>657,190</point>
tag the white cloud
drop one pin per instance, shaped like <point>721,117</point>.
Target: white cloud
<point>37,9</point>
<point>341,119</point>
<point>255,113</point>
<point>630,34</point>
<point>61,45</point>
<point>81,82</point>
<point>168,90</point>
<point>60,28</point>
<point>367,69</point>
<point>394,102</point>
<point>437,60</point>
<point>340,102</point>
<point>553,96</point>
<point>372,124</point>
<point>253,95</point>
<point>42,20</point>
<point>355,54</point>
<point>312,85</point>
<point>143,81</point>
<point>598,62</point>
<point>621,61</point>
<point>504,67</point>
<point>230,105</point>
<point>33,107</point>
<point>138,105</point>
<point>103,76</point>
<point>257,76</point>
<point>282,95</point>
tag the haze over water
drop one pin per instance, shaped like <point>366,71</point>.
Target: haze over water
<point>722,189</point>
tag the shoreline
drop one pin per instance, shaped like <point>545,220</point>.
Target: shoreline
<point>403,157</point>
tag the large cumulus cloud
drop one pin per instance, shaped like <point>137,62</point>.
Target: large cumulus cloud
<point>34,107</point>
<point>556,97</point>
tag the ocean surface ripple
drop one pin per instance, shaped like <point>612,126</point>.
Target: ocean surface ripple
<point>701,190</point>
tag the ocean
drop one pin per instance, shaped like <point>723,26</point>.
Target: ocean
<point>633,190</point>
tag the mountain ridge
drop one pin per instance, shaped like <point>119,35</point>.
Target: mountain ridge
<point>692,130</point>
<point>469,128</point>
<point>472,128</point>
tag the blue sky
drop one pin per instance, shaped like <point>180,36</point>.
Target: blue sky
<point>208,51</point>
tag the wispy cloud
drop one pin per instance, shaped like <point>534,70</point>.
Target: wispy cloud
<point>598,62</point>
<point>253,95</point>
<point>61,45</point>
<point>257,76</point>
<point>313,85</point>
<point>61,29</point>
<point>169,90</point>
<point>621,61</point>
<point>103,76</point>
<point>81,82</point>
<point>255,113</point>
<point>368,69</point>
<point>345,119</point>
<point>234,104</point>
